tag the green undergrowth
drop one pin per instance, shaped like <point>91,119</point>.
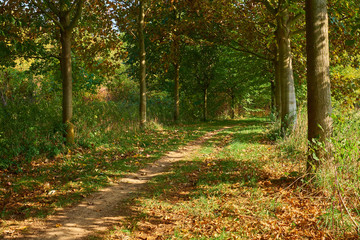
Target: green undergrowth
<point>36,188</point>
<point>208,196</point>
<point>337,179</point>
<point>238,185</point>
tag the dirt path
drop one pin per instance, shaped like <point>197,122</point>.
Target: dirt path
<point>100,210</point>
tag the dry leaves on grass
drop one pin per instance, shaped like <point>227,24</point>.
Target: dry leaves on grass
<point>273,209</point>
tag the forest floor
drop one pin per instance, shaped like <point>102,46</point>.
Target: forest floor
<point>231,183</point>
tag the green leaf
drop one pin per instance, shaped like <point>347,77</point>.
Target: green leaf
<point>315,157</point>
<point>350,42</point>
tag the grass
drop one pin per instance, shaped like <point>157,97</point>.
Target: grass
<point>239,185</point>
<point>82,171</point>
<point>337,179</point>
<point>235,187</point>
<point>36,188</point>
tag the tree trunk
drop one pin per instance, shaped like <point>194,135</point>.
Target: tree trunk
<point>273,101</point>
<point>232,110</point>
<point>177,91</point>
<point>5,86</point>
<point>318,82</point>
<point>142,66</point>
<point>205,110</point>
<point>277,88</point>
<point>288,99</point>
<point>66,74</point>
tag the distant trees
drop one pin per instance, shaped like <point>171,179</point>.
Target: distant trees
<point>182,41</point>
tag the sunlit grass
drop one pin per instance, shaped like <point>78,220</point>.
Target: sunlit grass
<point>209,196</point>
<point>49,183</point>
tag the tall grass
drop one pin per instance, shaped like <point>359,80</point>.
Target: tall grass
<point>338,179</point>
<point>340,176</point>
<point>30,129</point>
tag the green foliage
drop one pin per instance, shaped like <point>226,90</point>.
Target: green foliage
<point>29,130</point>
<point>338,178</point>
<point>346,81</point>
<point>30,123</point>
<point>346,139</point>
<point>244,78</point>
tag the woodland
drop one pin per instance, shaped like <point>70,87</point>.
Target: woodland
<point>261,98</point>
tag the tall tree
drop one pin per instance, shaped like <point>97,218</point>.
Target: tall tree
<point>47,30</point>
<point>175,49</point>
<point>141,25</point>
<point>318,81</point>
<point>168,28</point>
<point>284,76</point>
<point>176,64</point>
<point>64,14</point>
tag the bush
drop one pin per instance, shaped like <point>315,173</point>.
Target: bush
<point>32,128</point>
<point>28,129</point>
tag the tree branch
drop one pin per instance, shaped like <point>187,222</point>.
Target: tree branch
<point>249,51</point>
<point>268,6</point>
<point>299,31</point>
<point>39,57</point>
<point>294,19</point>
<point>47,14</point>
<point>52,7</point>
<point>78,12</point>
<point>73,5</point>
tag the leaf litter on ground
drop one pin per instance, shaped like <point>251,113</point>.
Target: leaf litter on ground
<point>242,189</point>
<point>33,190</point>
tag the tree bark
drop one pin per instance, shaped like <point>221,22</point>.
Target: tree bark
<point>232,110</point>
<point>66,74</point>
<point>177,91</point>
<point>142,66</point>
<point>273,98</point>
<point>318,82</point>
<point>277,88</point>
<point>66,19</point>
<point>288,99</point>
<point>205,109</point>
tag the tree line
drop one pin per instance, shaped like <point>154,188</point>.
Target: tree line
<point>155,37</point>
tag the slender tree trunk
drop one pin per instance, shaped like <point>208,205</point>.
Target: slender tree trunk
<point>273,98</point>
<point>177,91</point>
<point>318,82</point>
<point>205,110</point>
<point>142,65</point>
<point>288,99</point>
<point>5,76</point>
<point>175,48</point>
<point>232,112</point>
<point>66,74</point>
<point>277,88</point>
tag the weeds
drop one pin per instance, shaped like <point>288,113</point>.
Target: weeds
<point>336,178</point>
